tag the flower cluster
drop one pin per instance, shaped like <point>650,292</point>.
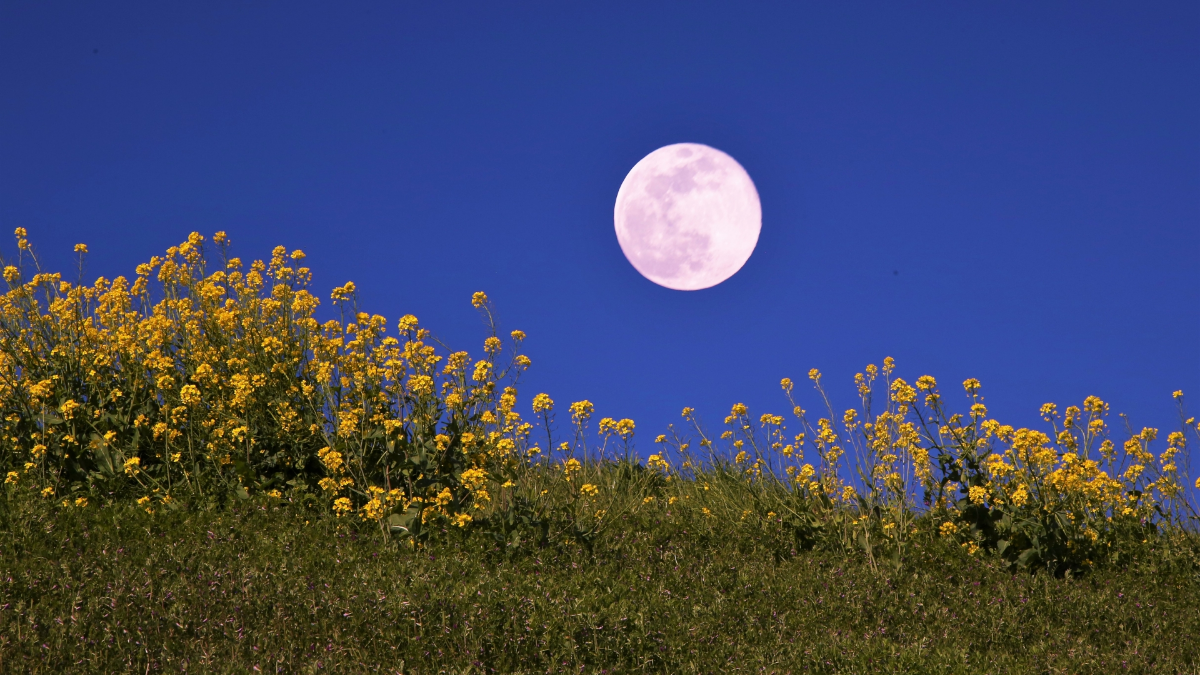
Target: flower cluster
<point>1055,497</point>
<point>204,377</point>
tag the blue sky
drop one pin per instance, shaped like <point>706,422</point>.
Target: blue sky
<point>1007,191</point>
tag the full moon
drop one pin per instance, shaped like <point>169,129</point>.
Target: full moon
<point>687,216</point>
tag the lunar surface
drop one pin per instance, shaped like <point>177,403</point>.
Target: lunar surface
<point>687,216</point>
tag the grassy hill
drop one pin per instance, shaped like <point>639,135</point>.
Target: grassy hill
<point>199,475</point>
<point>261,588</point>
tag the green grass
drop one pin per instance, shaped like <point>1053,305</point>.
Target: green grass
<point>118,590</point>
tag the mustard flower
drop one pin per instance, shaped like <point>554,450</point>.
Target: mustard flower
<point>581,411</point>
<point>977,494</point>
<point>542,403</point>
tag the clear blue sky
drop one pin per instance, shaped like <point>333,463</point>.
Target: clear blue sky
<point>1008,191</point>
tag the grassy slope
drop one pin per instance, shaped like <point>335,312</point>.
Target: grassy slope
<point>111,590</point>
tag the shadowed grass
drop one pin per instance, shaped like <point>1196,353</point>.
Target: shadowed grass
<point>279,589</point>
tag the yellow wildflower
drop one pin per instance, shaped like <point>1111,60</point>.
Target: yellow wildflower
<point>542,403</point>
<point>977,494</point>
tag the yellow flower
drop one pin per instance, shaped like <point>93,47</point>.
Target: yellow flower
<point>81,248</point>
<point>473,478</point>
<point>343,293</point>
<point>588,490</point>
<point>422,385</point>
<point>517,335</point>
<point>332,459</point>
<point>81,502</point>
<point>482,370</point>
<point>542,403</point>
<point>189,394</point>
<point>569,466</point>
<point>373,509</point>
<point>11,478</point>
<point>948,529</point>
<point>581,411</point>
<point>461,519</point>
<point>977,494</point>
<point>342,506</point>
<point>133,466</point>
<point>1178,393</point>
<point>38,451</point>
<point>479,299</point>
<point>47,492</point>
<point>274,494</point>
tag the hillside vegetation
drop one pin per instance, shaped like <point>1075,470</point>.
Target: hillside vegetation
<point>199,473</point>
